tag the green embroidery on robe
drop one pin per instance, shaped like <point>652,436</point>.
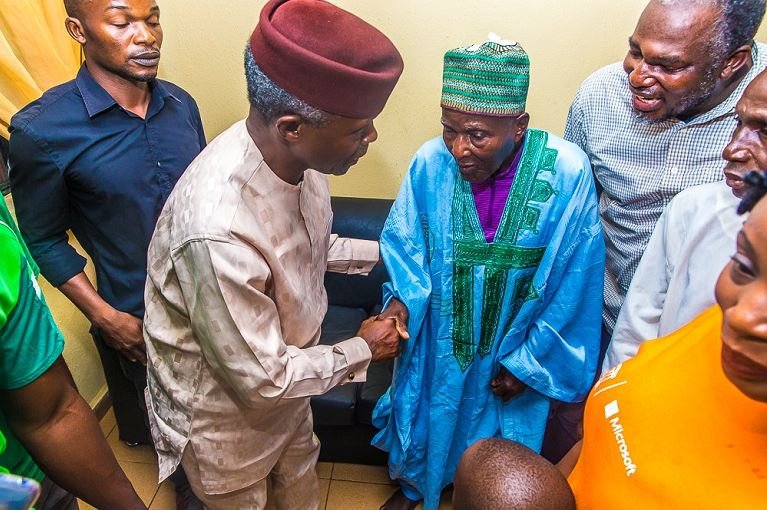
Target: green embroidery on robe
<point>428,235</point>
<point>531,218</point>
<point>524,290</point>
<point>471,250</point>
<point>542,191</point>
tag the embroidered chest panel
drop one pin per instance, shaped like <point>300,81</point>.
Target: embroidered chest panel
<point>504,257</point>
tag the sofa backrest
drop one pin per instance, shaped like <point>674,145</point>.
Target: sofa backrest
<point>361,218</point>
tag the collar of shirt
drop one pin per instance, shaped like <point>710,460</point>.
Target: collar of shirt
<point>98,100</point>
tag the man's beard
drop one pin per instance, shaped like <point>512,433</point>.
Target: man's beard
<point>123,73</point>
<point>697,97</point>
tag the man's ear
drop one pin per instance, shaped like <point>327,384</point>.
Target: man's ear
<point>290,127</point>
<point>736,61</point>
<point>75,29</point>
<point>521,128</point>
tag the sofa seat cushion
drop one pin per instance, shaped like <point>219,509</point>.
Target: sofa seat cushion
<point>341,323</point>
<point>378,381</point>
<point>338,406</point>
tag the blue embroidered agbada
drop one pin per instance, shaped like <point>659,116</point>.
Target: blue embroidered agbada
<point>530,300</point>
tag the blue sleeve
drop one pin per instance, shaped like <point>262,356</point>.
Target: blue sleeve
<point>405,253</point>
<point>560,353</point>
<point>41,198</point>
<point>198,122</point>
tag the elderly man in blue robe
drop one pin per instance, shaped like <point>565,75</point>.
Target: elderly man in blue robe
<point>496,257</point>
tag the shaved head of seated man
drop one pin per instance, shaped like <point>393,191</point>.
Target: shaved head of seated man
<point>496,473</point>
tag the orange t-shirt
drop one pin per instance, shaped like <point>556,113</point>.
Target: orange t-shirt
<point>667,430</point>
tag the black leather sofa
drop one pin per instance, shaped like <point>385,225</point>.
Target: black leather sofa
<point>342,416</point>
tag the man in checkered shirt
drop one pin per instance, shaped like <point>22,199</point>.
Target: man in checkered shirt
<point>657,123</point>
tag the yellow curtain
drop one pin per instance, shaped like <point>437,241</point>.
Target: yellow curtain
<point>36,53</point>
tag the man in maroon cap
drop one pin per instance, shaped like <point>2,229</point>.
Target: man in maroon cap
<point>235,295</point>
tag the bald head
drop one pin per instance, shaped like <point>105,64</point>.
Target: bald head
<point>735,22</point>
<point>496,473</point>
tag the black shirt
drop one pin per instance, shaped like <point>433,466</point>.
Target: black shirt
<point>79,161</point>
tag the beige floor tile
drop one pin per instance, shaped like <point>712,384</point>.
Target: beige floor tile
<point>361,473</point>
<point>324,489</point>
<point>324,470</point>
<point>143,477</point>
<point>143,453</point>
<point>85,506</point>
<point>165,499</point>
<point>108,422</point>
<point>357,496</point>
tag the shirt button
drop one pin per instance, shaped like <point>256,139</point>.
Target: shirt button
<point>158,164</point>
<point>675,170</point>
<point>351,376</point>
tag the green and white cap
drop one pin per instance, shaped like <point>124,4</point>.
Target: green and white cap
<point>490,78</point>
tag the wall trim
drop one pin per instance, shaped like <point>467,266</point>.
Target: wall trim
<point>101,402</point>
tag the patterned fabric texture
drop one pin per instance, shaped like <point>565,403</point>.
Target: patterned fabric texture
<point>641,165</point>
<point>476,306</point>
<point>489,79</point>
<point>234,304</point>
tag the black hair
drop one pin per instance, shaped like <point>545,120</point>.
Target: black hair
<point>74,8</point>
<point>757,188</point>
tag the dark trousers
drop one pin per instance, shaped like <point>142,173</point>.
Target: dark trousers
<point>564,428</point>
<point>126,382</point>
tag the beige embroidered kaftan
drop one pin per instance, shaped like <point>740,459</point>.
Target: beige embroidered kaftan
<point>234,303</point>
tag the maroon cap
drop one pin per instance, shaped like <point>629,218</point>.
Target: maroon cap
<point>326,56</point>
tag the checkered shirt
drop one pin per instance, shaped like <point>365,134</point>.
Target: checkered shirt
<point>641,165</point>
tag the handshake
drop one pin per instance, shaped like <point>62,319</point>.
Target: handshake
<point>384,331</point>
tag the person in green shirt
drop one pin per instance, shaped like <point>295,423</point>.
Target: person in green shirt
<point>52,434</point>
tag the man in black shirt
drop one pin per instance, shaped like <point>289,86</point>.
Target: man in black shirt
<point>99,155</point>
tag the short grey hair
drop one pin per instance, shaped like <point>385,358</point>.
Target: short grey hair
<point>738,24</point>
<point>735,26</point>
<point>272,101</point>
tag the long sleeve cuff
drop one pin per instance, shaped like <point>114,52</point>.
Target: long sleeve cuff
<point>352,256</point>
<point>60,265</point>
<point>357,354</point>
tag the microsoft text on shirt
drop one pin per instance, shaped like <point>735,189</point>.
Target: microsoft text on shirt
<point>611,415</point>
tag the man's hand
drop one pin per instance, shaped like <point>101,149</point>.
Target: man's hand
<point>506,386</point>
<point>120,331</point>
<point>397,309</point>
<point>123,332</point>
<point>382,335</point>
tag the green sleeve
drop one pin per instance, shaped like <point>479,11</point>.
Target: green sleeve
<point>10,270</point>
<point>30,342</point>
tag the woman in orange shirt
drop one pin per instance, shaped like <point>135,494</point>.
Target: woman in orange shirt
<point>684,423</point>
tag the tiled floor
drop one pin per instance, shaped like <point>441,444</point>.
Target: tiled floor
<point>342,486</point>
